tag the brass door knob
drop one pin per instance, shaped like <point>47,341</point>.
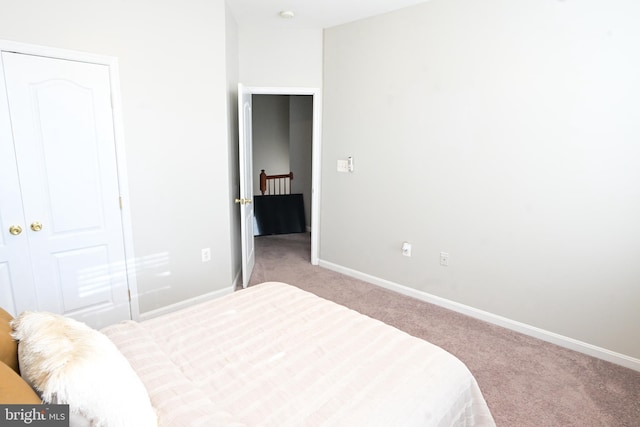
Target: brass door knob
<point>15,230</point>
<point>36,226</point>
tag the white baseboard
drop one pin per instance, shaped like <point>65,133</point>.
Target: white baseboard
<point>186,303</point>
<point>562,341</point>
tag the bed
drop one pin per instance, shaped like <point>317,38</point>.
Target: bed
<point>277,210</point>
<point>275,355</point>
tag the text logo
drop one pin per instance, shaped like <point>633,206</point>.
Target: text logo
<point>34,415</point>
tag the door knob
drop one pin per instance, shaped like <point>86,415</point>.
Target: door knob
<point>36,226</point>
<point>15,230</point>
<point>243,201</point>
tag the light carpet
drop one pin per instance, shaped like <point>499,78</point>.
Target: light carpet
<point>525,381</point>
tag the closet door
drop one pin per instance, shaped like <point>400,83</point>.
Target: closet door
<point>64,148</point>
<point>15,263</point>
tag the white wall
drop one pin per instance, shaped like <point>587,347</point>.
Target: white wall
<point>174,92</point>
<point>272,57</point>
<point>504,133</point>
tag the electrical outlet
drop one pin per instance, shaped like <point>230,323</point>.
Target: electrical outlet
<point>343,165</point>
<point>406,249</point>
<point>444,259</point>
<point>206,255</point>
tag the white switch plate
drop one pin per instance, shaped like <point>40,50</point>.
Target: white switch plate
<point>343,166</point>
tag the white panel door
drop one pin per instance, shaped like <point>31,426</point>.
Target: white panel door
<point>246,183</point>
<point>63,138</point>
<point>15,262</point>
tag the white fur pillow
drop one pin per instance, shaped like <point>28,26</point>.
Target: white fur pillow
<point>70,363</point>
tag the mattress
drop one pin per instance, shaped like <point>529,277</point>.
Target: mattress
<point>275,355</point>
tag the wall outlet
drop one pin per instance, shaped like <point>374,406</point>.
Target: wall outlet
<point>406,249</point>
<point>343,165</point>
<point>444,259</point>
<point>206,255</point>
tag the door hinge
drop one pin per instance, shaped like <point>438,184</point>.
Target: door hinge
<point>129,293</point>
<point>120,201</point>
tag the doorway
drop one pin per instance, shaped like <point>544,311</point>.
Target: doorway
<point>247,192</point>
<point>282,143</point>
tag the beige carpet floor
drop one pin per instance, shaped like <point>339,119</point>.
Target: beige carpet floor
<point>525,381</point>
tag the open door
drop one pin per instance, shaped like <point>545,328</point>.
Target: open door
<point>246,183</point>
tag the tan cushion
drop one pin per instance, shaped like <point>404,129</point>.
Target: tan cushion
<point>8,346</point>
<point>15,390</point>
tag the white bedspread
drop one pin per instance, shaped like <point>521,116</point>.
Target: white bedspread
<point>274,355</point>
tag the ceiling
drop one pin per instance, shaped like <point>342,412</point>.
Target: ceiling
<point>310,14</point>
